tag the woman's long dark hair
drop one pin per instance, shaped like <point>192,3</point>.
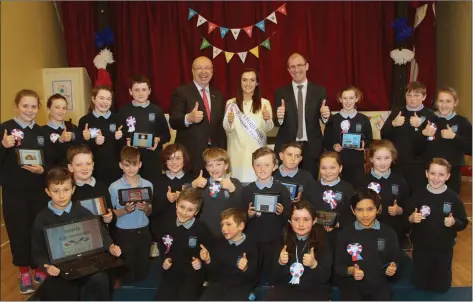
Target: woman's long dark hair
<point>316,235</point>
<point>256,94</point>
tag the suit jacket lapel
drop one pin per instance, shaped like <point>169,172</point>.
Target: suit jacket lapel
<point>309,104</point>
<point>214,104</point>
<point>292,103</point>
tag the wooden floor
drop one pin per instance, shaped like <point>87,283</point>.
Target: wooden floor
<point>461,260</point>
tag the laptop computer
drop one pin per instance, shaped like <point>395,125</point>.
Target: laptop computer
<point>77,249</point>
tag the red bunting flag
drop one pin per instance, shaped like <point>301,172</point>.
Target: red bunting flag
<point>249,30</point>
<point>282,9</point>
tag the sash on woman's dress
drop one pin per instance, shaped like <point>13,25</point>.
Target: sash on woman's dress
<point>249,125</point>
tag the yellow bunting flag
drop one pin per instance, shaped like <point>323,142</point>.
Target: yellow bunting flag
<point>255,51</point>
<point>228,56</point>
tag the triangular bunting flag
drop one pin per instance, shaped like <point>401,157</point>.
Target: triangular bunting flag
<point>272,18</point>
<point>216,52</point>
<point>282,9</point>
<point>229,56</point>
<point>242,56</point>
<point>248,30</point>
<point>236,32</point>
<point>223,31</point>
<point>191,14</point>
<point>260,25</point>
<point>212,26</point>
<point>201,21</point>
<point>266,44</point>
<point>255,51</point>
<point>205,44</point>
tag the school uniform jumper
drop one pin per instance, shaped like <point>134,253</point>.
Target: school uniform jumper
<point>301,177</point>
<point>60,149</point>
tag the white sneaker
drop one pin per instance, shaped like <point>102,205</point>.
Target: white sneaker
<point>154,252</point>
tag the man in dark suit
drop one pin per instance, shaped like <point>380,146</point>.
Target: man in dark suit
<point>298,107</point>
<point>196,114</point>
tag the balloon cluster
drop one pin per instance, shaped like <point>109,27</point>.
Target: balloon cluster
<point>403,31</point>
<point>104,37</point>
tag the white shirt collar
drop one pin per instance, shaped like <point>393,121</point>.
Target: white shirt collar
<point>91,182</point>
<point>23,125</point>
<point>384,175</point>
<point>447,117</point>
<point>262,186</point>
<point>330,184</point>
<point>415,109</point>
<point>346,114</point>
<point>143,105</point>
<point>437,191</point>
<point>55,126</point>
<point>178,176</point>
<point>294,84</point>
<point>97,114</point>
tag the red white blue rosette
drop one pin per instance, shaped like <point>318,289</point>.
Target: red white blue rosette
<point>375,187</point>
<point>214,188</point>
<point>296,270</point>
<point>131,122</point>
<point>431,138</point>
<point>94,132</point>
<point>329,197</point>
<point>167,240</point>
<point>355,249</point>
<point>18,134</point>
<point>54,137</point>
<point>345,125</point>
<point>425,211</point>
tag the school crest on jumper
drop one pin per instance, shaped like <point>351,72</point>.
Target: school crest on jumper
<point>454,128</point>
<point>73,136</point>
<point>358,127</point>
<point>192,242</point>
<point>447,207</point>
<point>40,140</point>
<point>381,244</point>
<point>339,196</point>
<point>422,118</point>
<point>113,127</point>
<point>152,117</point>
<point>395,189</point>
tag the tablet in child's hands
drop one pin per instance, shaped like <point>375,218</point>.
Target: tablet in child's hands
<point>135,195</point>
<point>351,140</point>
<point>142,140</point>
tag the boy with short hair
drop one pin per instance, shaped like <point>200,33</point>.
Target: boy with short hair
<point>291,175</point>
<point>132,232</point>
<point>266,228</point>
<point>142,116</point>
<point>60,209</point>
<point>220,191</point>
<point>233,262</point>
<point>436,214</point>
<point>182,240</point>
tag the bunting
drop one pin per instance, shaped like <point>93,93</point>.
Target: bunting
<point>236,31</point>
<point>229,55</point>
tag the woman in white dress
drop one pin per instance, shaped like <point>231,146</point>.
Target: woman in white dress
<point>247,119</point>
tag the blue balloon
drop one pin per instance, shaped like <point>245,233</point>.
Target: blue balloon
<point>403,31</point>
<point>104,37</point>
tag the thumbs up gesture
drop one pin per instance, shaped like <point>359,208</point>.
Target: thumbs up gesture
<point>281,111</point>
<point>429,130</point>
<point>415,121</point>
<point>196,264</point>
<point>231,116</point>
<point>167,263</point>
<point>204,254</point>
<point>8,141</point>
<point>399,120</point>
<point>266,113</point>
<point>358,274</point>
<point>227,184</point>
<point>447,133</point>
<point>195,116</point>
<point>86,132</point>
<point>65,136</point>
<point>243,263</point>
<point>100,139</point>
<point>449,221</point>
<point>172,197</point>
<point>391,270</point>
<point>395,209</point>
<point>415,217</point>
<point>309,259</point>
<point>324,110</point>
<point>284,256</point>
<point>199,182</point>
<point>119,133</point>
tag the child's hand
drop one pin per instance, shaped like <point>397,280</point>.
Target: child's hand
<point>324,110</point>
<point>298,197</point>
<point>100,139</point>
<point>129,207</point>
<point>128,142</point>
<point>415,121</point>
<point>204,254</point>
<point>429,130</point>
<point>36,169</point>
<point>86,132</point>
<point>196,264</point>
<point>284,256</point>
<point>309,259</point>
<point>119,133</point>
<point>228,185</point>
<point>155,145</point>
<point>395,209</point>
<point>415,217</point>
<point>199,182</point>
<point>447,133</point>
<point>358,274</point>
<point>449,221</point>
<point>167,263</point>
<point>65,136</point>
<point>337,147</point>
<point>107,218</point>
<point>243,263</point>
<point>251,210</point>
<point>8,141</point>
<point>142,206</point>
<point>52,270</point>
<point>399,120</point>
<point>391,270</point>
<point>279,208</point>
<point>172,197</point>
<point>115,250</point>
<point>266,113</point>
<point>362,146</point>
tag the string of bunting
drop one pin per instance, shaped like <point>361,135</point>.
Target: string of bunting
<point>236,31</point>
<point>229,55</point>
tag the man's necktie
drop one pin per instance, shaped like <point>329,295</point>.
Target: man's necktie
<point>300,111</point>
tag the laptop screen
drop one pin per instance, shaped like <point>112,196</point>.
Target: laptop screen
<point>74,238</point>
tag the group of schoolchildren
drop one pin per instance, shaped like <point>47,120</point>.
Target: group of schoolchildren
<point>213,242</point>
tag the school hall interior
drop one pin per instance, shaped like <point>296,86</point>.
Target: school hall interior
<point>33,38</point>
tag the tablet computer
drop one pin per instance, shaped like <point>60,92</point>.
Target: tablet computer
<point>135,195</point>
<point>265,202</point>
<point>327,218</point>
<point>351,140</point>
<point>29,156</point>
<point>142,140</point>
<point>293,189</point>
<point>96,205</point>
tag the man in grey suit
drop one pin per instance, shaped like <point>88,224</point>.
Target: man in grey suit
<point>196,114</point>
<point>298,107</point>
